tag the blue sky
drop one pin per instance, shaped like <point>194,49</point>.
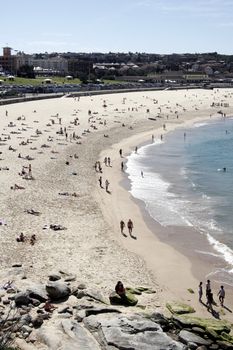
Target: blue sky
<point>156,26</point>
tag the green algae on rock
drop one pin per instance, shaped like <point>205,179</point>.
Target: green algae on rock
<point>179,308</point>
<point>212,326</point>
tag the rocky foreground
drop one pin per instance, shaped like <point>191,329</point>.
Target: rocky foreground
<point>65,314</point>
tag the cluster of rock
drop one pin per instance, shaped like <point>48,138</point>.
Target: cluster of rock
<point>82,318</point>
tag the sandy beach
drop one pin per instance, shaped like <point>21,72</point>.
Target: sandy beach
<point>50,189</point>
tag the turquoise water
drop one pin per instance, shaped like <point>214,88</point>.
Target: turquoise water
<point>184,184</point>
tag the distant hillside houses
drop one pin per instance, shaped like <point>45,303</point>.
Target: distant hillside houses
<point>129,66</point>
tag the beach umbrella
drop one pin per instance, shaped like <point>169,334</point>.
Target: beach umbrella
<point>47,81</point>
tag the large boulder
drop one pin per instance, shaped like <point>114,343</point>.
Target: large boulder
<point>38,292</point>
<point>57,290</point>
<point>92,293</point>
<point>134,332</point>
<point>126,300</point>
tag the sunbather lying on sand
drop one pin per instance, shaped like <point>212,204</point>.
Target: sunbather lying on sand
<point>28,177</point>
<point>33,212</point>
<point>17,187</point>
<point>74,194</point>
<point>4,168</point>
<point>57,227</point>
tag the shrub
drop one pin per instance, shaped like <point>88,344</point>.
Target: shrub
<point>9,324</point>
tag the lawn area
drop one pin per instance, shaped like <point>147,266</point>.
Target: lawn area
<point>55,80</point>
<point>39,81</point>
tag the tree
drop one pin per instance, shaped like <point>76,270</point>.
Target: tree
<point>83,77</point>
<point>26,71</point>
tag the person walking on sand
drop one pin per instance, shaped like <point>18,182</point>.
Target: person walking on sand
<point>221,295</point>
<point>107,183</point>
<point>207,287</point>
<point>200,292</point>
<point>122,226</point>
<point>109,161</point>
<point>130,226</point>
<point>100,181</point>
<point>122,166</point>
<point>30,170</point>
<point>120,152</point>
<point>210,300</point>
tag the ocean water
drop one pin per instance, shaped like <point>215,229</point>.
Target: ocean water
<point>183,182</point>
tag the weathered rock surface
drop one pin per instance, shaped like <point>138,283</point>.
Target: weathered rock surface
<point>67,335</point>
<point>38,292</point>
<point>85,320</point>
<point>129,332</point>
<point>188,337</point>
<point>94,294</point>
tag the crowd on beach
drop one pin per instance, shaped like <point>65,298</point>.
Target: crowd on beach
<point>68,131</point>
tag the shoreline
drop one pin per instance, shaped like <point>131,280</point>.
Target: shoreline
<point>188,240</point>
<point>185,262</point>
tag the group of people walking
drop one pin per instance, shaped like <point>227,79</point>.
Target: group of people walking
<point>129,226</point>
<point>107,183</point>
<point>209,295</point>
<point>102,184</point>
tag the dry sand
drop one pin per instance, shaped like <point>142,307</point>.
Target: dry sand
<point>92,246</point>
